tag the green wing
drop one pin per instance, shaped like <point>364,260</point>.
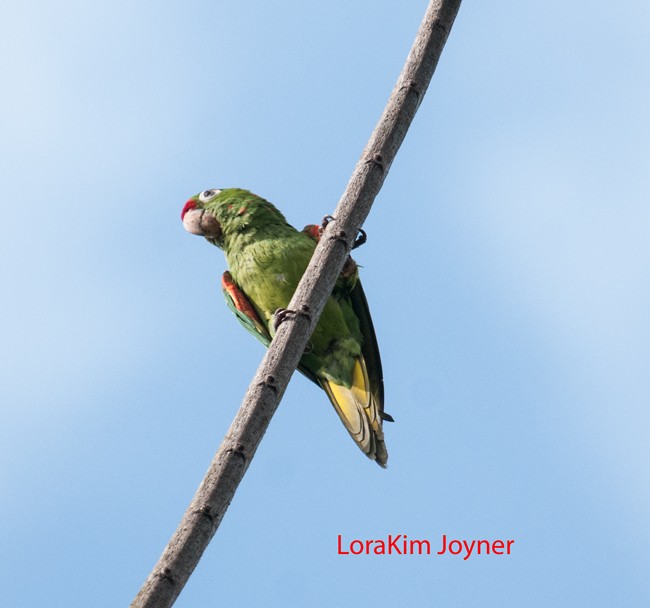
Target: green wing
<point>369,347</point>
<point>348,286</point>
<point>246,314</point>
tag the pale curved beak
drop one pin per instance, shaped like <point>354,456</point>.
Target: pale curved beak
<point>192,221</point>
<point>202,223</point>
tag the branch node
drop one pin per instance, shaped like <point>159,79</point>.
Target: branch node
<point>269,382</point>
<point>412,85</point>
<point>340,235</point>
<point>377,160</point>
<point>206,512</point>
<point>237,450</point>
<point>167,575</point>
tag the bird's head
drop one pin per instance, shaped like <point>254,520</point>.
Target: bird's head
<point>223,215</point>
<point>199,215</point>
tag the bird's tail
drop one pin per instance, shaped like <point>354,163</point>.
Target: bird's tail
<point>360,412</point>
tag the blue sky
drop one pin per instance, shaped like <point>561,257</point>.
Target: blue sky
<point>506,268</point>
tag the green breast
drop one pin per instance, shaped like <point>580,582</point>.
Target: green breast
<point>269,270</point>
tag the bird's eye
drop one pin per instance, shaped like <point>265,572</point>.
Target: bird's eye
<point>208,195</point>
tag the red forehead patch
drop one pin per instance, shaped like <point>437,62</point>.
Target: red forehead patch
<point>191,204</point>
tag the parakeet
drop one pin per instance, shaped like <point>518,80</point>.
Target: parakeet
<point>266,258</point>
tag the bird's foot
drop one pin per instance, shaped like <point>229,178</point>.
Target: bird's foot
<point>282,314</point>
<point>360,240</point>
<point>326,220</point>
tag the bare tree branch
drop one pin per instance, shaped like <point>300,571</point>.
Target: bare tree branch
<point>217,489</point>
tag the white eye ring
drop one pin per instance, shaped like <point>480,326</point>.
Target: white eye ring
<point>208,195</point>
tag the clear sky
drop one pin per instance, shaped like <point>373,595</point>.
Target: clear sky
<point>506,269</point>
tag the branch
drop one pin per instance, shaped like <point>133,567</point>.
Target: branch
<point>236,451</point>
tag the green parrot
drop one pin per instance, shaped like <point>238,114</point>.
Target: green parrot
<point>267,258</point>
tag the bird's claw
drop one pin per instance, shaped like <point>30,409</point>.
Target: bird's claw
<point>282,314</point>
<point>326,220</point>
<point>360,240</point>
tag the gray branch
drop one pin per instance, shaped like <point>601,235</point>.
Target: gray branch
<point>236,451</point>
